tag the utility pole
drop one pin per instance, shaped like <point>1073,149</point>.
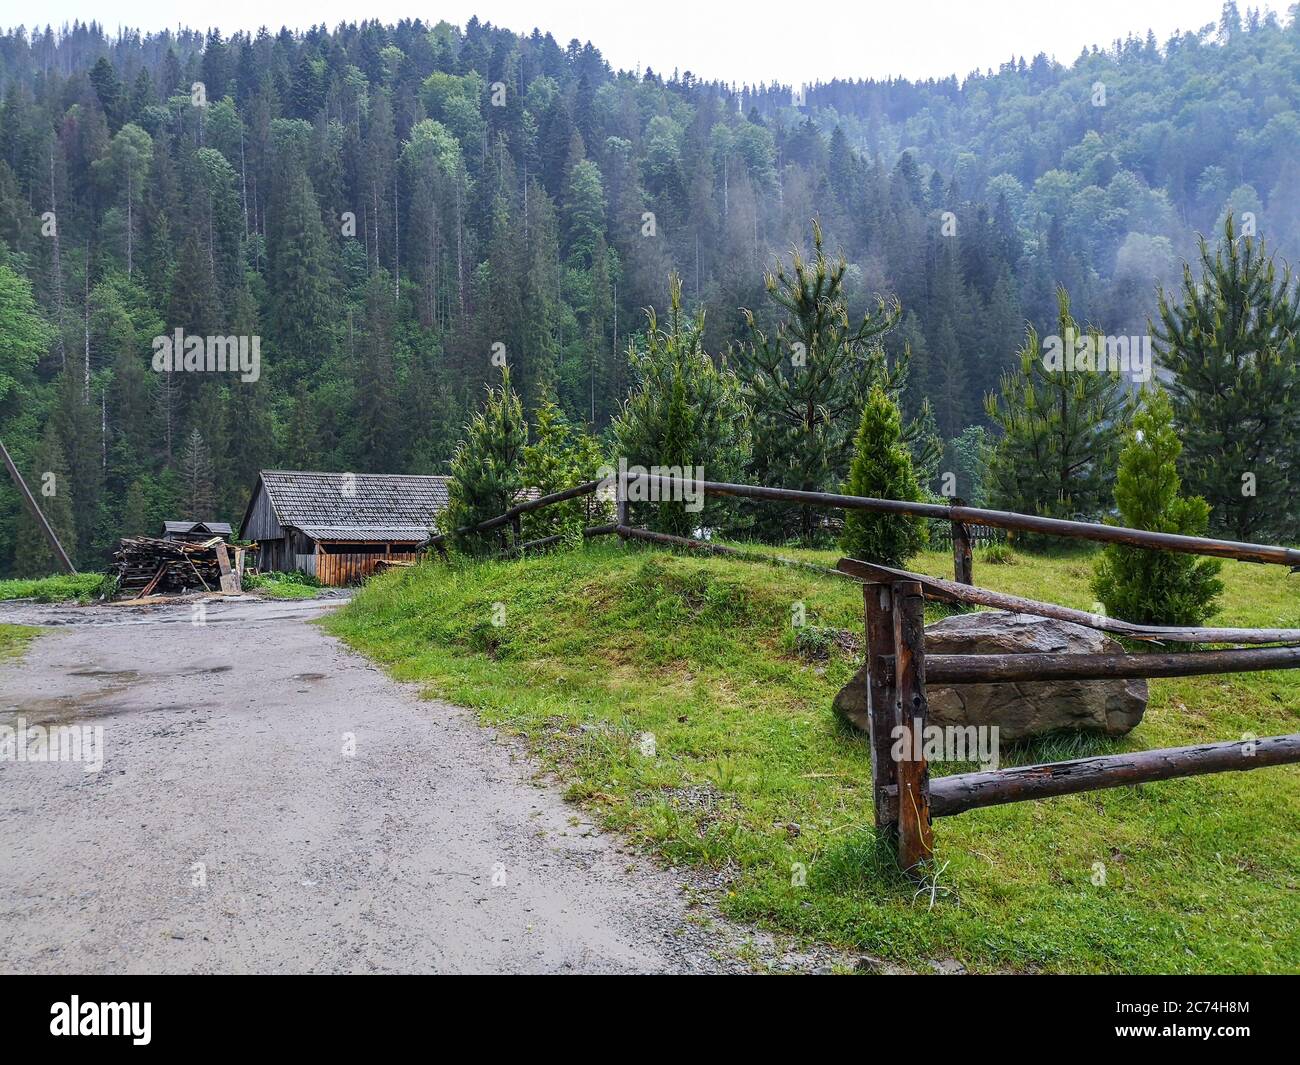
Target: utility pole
<point>29,502</point>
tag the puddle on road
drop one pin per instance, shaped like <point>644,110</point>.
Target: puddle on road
<point>308,676</point>
<point>126,674</point>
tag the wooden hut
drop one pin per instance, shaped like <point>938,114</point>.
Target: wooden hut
<point>338,526</point>
<point>196,531</point>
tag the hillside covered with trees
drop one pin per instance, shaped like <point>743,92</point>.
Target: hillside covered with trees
<point>396,210</point>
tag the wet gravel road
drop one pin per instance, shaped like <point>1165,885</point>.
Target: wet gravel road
<point>270,802</point>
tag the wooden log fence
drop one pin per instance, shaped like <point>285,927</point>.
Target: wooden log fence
<point>905,798</point>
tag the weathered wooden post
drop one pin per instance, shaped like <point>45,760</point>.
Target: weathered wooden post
<point>620,497</point>
<point>915,840</point>
<point>882,705</point>
<point>963,562</point>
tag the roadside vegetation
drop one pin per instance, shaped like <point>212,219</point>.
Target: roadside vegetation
<point>282,585</point>
<point>62,587</point>
<point>14,638</point>
<point>673,697</point>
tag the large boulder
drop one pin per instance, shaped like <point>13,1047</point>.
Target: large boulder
<point>1019,709</point>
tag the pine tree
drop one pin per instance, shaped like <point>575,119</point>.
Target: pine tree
<point>1233,347</point>
<point>1141,585</point>
<point>807,382</point>
<point>487,468</point>
<point>684,411</point>
<point>1056,455</point>
<point>881,469</point>
<point>196,466</point>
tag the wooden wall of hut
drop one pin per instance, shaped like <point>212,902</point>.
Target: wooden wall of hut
<point>336,570</point>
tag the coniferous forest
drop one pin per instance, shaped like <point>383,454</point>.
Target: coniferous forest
<point>393,210</point>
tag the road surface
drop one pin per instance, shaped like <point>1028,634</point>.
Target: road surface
<point>271,802</point>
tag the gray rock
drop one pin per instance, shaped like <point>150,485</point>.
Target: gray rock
<point>1021,709</point>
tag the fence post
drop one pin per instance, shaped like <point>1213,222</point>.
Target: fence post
<point>915,840</point>
<point>963,563</point>
<point>882,705</point>
<point>620,496</point>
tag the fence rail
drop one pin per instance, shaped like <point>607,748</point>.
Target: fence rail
<point>898,670</point>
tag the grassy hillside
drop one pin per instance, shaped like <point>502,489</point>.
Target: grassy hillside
<point>750,775</point>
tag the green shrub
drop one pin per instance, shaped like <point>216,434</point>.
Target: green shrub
<point>882,467</point>
<point>999,555</point>
<point>1138,584</point>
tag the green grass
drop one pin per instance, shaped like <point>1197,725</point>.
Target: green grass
<point>56,589</point>
<point>281,585</point>
<point>751,774</point>
<point>15,638</point>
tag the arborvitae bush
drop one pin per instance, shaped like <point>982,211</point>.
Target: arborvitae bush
<point>882,467</point>
<point>487,468</point>
<point>1138,584</point>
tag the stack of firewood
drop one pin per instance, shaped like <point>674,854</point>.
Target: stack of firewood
<point>147,566</point>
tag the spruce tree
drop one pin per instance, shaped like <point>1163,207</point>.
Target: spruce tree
<point>684,411</point>
<point>1138,584</point>
<point>487,473</point>
<point>1232,344</point>
<point>1056,455</point>
<point>196,468</point>
<point>882,469</point>
<point>807,382</point>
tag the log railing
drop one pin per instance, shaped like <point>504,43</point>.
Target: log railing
<point>898,670</point>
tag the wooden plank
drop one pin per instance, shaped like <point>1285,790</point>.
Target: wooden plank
<point>229,581</point>
<point>938,588</point>
<point>968,791</point>
<point>998,669</point>
<point>148,588</point>
<point>915,838</point>
<point>882,704</point>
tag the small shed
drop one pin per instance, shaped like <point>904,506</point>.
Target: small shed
<point>196,531</point>
<point>338,526</point>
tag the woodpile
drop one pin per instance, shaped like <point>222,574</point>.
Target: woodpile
<point>148,566</point>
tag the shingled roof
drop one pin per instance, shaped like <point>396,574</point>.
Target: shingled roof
<point>355,506</point>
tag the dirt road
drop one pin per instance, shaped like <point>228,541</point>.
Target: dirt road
<point>230,829</point>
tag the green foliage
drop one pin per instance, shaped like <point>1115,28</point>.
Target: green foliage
<point>807,381</point>
<point>684,411</point>
<point>882,469</point>
<point>352,198</point>
<point>487,469</point>
<point>1156,587</point>
<point>1232,342</point>
<point>560,456</point>
<point>50,485</point>
<point>1056,454</point>
<point>966,457</point>
<point>59,588</point>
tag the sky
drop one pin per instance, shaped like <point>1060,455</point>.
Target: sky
<point>751,41</point>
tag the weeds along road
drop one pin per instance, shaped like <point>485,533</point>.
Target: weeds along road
<point>228,830</point>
